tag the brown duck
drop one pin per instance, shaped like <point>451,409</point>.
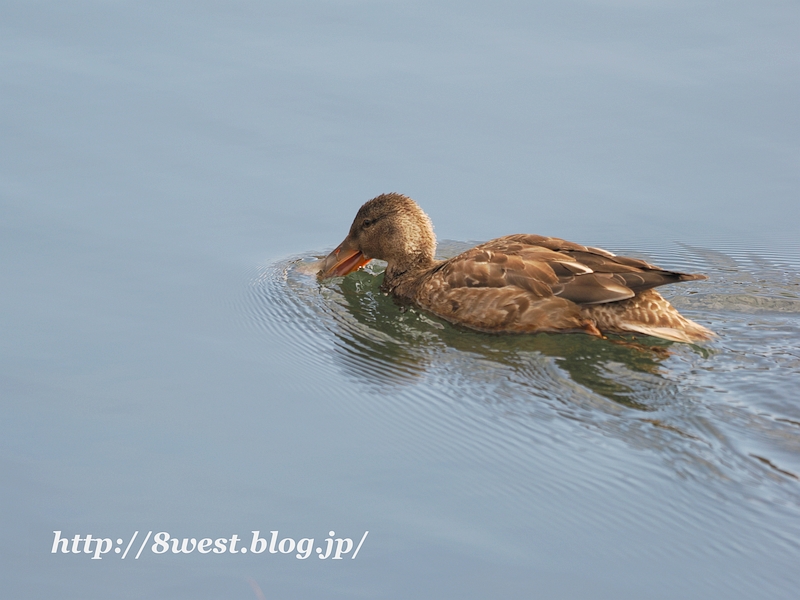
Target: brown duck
<point>517,283</point>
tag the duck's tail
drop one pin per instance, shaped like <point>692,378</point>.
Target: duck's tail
<point>647,313</point>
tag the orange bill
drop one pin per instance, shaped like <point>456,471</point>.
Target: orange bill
<point>342,261</point>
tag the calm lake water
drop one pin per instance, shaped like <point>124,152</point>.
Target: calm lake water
<point>170,171</point>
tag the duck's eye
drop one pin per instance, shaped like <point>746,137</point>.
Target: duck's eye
<point>366,223</point>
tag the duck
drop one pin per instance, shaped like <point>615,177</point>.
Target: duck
<point>521,283</point>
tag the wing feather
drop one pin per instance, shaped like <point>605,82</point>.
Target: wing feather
<point>544,267</point>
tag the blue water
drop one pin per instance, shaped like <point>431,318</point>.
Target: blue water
<point>168,173</point>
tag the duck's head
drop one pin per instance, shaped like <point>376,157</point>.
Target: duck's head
<point>390,227</point>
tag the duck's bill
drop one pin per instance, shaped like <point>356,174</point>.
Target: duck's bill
<point>342,261</point>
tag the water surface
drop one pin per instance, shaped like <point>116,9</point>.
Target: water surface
<point>168,172</point>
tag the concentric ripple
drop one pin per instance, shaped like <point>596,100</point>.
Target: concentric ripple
<point>725,412</point>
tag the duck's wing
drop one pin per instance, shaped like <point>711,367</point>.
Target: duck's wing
<point>546,267</point>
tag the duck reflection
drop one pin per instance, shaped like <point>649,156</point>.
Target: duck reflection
<point>382,341</point>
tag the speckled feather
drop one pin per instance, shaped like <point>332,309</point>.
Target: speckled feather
<point>524,283</point>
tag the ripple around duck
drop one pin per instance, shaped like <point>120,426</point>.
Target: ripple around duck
<point>725,412</point>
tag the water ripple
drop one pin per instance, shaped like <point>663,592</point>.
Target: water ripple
<point>720,413</point>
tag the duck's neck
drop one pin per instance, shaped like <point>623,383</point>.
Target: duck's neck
<point>401,278</point>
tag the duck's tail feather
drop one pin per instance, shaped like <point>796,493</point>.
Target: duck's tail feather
<point>650,314</point>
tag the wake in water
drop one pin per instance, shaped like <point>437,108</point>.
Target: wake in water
<point>726,412</point>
